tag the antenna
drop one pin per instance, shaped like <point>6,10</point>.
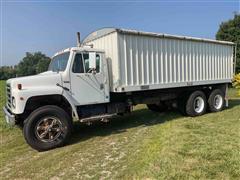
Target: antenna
<point>78,39</point>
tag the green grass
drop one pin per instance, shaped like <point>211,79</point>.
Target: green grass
<point>139,146</point>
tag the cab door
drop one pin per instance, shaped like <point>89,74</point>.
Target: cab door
<point>89,86</point>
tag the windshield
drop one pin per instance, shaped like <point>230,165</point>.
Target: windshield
<point>59,62</point>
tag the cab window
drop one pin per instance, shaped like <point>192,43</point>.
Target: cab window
<point>97,63</point>
<point>81,63</point>
<point>86,63</point>
<point>78,64</point>
<point>59,62</point>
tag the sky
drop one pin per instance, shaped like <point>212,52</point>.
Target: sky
<point>49,25</point>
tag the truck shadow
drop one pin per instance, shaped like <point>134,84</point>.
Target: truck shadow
<point>120,124</point>
<point>233,103</point>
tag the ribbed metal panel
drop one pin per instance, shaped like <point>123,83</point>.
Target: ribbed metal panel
<point>172,61</point>
<point>144,62</point>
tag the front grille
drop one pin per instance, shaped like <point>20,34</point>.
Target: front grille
<point>8,93</point>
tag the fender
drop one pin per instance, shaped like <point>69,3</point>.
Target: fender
<point>22,96</point>
<point>21,104</point>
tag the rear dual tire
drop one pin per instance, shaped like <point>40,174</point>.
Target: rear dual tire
<point>216,101</point>
<point>196,103</point>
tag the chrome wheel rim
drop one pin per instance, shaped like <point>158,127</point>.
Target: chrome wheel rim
<point>199,104</point>
<point>218,101</point>
<point>48,129</point>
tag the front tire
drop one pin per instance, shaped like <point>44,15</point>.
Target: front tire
<point>196,104</point>
<point>47,127</point>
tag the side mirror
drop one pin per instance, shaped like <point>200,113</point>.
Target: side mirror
<point>92,60</point>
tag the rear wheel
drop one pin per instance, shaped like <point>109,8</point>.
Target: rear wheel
<point>196,104</point>
<point>216,100</point>
<point>47,127</point>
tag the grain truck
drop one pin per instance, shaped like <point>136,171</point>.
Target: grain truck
<point>111,71</point>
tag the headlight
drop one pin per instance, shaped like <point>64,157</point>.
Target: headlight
<point>13,102</point>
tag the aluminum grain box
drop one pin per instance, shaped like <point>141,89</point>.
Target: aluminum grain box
<point>142,60</point>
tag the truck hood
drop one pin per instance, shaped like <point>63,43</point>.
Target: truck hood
<point>47,79</point>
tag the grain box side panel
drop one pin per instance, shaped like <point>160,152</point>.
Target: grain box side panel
<point>156,62</point>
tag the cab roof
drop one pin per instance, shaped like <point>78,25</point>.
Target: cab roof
<point>82,49</point>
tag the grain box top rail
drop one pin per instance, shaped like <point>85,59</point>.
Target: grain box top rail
<point>105,31</point>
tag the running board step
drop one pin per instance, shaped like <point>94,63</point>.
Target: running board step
<point>98,117</point>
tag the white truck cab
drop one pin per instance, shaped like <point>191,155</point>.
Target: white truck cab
<point>73,73</point>
<point>113,70</point>
<point>76,76</point>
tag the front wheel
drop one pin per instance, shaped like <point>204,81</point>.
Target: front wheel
<point>47,127</point>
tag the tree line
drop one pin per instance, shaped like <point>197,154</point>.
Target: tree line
<point>230,31</point>
<point>34,63</point>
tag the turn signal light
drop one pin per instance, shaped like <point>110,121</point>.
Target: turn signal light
<point>19,86</point>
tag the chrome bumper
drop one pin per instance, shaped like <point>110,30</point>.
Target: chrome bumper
<point>9,117</point>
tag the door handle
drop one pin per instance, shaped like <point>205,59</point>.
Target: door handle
<point>101,86</point>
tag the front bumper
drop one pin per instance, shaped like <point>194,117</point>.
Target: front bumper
<point>9,117</point>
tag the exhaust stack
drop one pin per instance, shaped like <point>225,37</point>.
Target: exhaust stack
<point>78,40</point>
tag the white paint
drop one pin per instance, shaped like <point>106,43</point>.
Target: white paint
<point>183,60</point>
